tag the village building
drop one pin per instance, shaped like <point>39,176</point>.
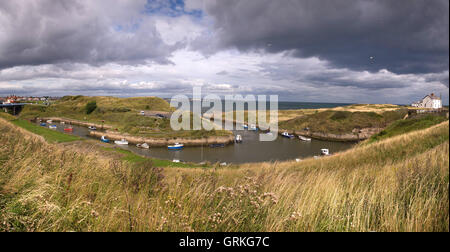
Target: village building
<point>430,101</point>
<point>11,99</point>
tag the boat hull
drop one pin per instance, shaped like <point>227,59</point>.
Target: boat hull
<point>175,148</point>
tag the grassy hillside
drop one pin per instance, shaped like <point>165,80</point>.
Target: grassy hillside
<point>342,121</point>
<point>121,113</point>
<point>49,135</point>
<point>404,126</point>
<point>396,184</point>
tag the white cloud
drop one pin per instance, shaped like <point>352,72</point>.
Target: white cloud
<point>298,79</point>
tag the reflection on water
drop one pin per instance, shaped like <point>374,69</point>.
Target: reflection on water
<point>250,150</point>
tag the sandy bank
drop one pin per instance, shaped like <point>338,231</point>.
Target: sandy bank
<point>356,135</point>
<point>75,122</point>
<point>158,142</point>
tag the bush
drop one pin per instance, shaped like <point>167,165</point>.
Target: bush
<point>90,107</point>
<point>339,115</point>
<point>121,110</point>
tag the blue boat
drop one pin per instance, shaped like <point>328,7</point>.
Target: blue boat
<point>43,124</point>
<point>285,134</point>
<point>104,139</point>
<point>176,146</point>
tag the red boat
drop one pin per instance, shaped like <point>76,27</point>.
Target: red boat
<point>70,129</point>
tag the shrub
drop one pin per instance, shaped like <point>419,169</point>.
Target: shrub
<point>121,110</point>
<point>339,115</point>
<point>90,107</point>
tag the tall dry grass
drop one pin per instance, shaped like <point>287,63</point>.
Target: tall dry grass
<point>399,184</point>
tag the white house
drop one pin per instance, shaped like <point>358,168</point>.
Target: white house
<point>430,101</point>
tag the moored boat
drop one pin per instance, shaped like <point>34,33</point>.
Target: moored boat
<point>245,126</point>
<point>324,152</point>
<point>176,146</point>
<point>49,121</point>
<point>121,142</point>
<point>43,124</point>
<point>143,146</point>
<point>68,129</point>
<point>104,139</point>
<point>238,139</point>
<point>52,127</point>
<point>306,139</point>
<point>285,134</point>
<point>92,128</point>
<point>253,127</point>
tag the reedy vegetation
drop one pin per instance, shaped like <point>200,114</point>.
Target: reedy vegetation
<point>397,184</point>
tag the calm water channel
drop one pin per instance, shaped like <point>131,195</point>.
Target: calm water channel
<point>250,150</point>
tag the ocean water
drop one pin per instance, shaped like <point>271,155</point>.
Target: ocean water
<point>284,105</point>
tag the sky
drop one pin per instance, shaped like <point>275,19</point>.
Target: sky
<point>353,51</point>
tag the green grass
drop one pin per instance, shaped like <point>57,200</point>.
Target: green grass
<point>7,116</point>
<point>49,135</point>
<point>120,113</point>
<point>395,185</point>
<point>341,122</point>
<point>404,126</point>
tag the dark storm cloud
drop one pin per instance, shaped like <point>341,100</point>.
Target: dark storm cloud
<point>403,36</point>
<point>39,32</point>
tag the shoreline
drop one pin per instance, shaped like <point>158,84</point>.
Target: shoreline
<point>76,122</point>
<point>162,142</point>
<point>355,136</point>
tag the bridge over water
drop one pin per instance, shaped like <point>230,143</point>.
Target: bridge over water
<point>14,108</point>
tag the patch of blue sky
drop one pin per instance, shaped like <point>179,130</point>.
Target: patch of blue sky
<point>130,27</point>
<point>171,8</point>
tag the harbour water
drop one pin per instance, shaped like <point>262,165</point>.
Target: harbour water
<point>250,150</point>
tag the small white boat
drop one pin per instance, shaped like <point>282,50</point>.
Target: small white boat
<point>306,139</point>
<point>104,139</point>
<point>52,127</point>
<point>143,146</point>
<point>238,139</point>
<point>324,152</point>
<point>223,164</point>
<point>176,161</point>
<point>253,127</point>
<point>92,128</point>
<point>62,123</point>
<point>285,134</point>
<point>49,121</point>
<point>176,146</point>
<point>245,126</point>
<point>298,160</point>
<point>121,142</point>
